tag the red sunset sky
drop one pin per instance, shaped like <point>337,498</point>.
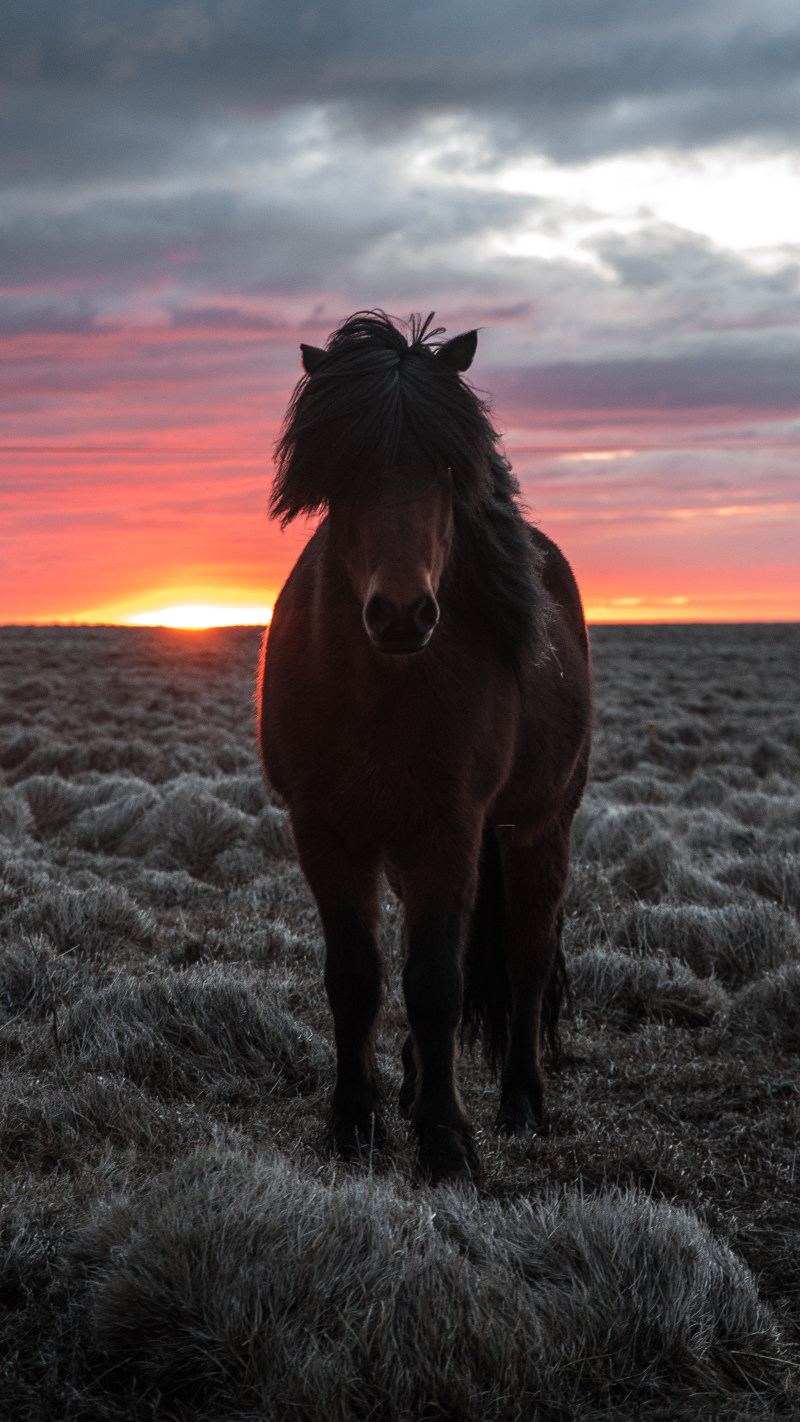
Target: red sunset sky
<point>189,196</point>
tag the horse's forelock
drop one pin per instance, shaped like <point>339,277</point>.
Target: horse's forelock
<point>376,388</point>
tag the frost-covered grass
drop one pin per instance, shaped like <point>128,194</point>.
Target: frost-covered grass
<point>173,1240</point>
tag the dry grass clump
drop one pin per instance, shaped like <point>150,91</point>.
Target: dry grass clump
<point>51,1127</point>
<point>243,1285</point>
<point>272,833</point>
<point>106,827</point>
<point>188,1030</point>
<point>703,791</point>
<point>35,980</point>
<point>690,884</point>
<point>712,834</point>
<point>735,943</point>
<point>95,922</point>
<point>36,1309</point>
<point>768,1010</point>
<point>23,873</point>
<point>233,759</point>
<point>16,746</point>
<point>591,901</point>
<point>604,834</point>
<point>16,819</point>
<point>246,792</point>
<point>644,787</point>
<point>188,828</point>
<point>162,888</point>
<point>773,876</point>
<point>245,936</point>
<point>53,802</point>
<point>648,867</point>
<point>770,755</point>
<point>753,808</point>
<point>237,866</point>
<point>626,991</point>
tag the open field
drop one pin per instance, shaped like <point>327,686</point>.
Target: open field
<point>174,1244</point>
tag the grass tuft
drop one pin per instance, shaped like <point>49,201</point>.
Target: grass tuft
<point>35,980</point>
<point>628,991</point>
<point>734,944</point>
<point>188,828</point>
<point>241,1284</point>
<point>191,1030</point>
<point>768,1010</point>
<point>16,817</point>
<point>53,802</point>
<point>91,923</point>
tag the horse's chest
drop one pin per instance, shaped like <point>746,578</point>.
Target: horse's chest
<point>407,756</point>
<point>381,743</point>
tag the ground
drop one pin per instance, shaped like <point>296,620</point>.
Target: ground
<point>174,1241</point>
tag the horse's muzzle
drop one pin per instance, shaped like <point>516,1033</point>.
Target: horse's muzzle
<point>400,631</point>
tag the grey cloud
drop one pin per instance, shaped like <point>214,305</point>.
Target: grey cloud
<point>572,81</point>
<point>296,237</point>
<point>683,288</point>
<point>228,318</point>
<point>751,377</point>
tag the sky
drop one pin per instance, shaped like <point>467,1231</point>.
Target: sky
<point>609,191</point>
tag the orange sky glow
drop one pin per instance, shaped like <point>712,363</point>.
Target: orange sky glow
<point>148,494</point>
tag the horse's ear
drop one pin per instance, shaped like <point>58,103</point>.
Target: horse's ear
<point>311,356</point>
<point>457,354</point>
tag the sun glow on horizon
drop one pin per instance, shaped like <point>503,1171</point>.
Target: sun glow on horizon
<point>197,616</point>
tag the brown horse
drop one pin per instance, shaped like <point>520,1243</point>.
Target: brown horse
<point>425,709</point>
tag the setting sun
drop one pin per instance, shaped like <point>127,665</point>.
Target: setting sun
<point>199,615</point>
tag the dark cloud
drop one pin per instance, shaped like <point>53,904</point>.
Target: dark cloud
<point>661,256</point>
<point>569,80</point>
<point>223,318</point>
<point>353,222</point>
<point>748,379</point>
<point>242,167</point>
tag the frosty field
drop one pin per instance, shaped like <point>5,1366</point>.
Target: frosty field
<point>173,1241</point>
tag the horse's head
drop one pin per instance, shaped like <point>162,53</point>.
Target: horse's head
<point>374,429</point>
<point>395,551</point>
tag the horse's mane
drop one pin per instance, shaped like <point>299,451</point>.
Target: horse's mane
<point>376,387</point>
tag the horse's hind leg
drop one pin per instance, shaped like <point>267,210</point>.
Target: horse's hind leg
<point>345,887</point>
<point>535,877</point>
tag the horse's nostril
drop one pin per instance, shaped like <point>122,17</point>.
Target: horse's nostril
<point>379,615</point>
<point>425,612</point>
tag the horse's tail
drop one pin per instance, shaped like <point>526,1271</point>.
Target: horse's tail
<point>487,990</point>
<point>556,994</point>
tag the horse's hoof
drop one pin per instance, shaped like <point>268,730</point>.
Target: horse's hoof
<point>518,1114</point>
<point>355,1140</point>
<point>450,1158</point>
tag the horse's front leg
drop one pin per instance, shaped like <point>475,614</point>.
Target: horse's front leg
<point>438,892</point>
<point>344,880</point>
